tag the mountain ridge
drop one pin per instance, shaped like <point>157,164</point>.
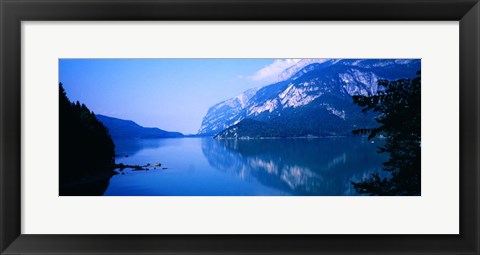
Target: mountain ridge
<point>315,100</point>
<point>128,129</point>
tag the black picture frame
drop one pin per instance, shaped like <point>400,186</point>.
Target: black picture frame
<point>13,12</point>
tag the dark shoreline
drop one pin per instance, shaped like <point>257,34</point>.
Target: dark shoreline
<point>88,186</point>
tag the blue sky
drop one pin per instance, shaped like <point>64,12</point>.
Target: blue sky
<point>171,94</point>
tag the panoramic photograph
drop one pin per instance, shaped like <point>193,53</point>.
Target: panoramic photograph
<point>239,127</point>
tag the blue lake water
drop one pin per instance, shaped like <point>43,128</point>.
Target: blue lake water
<point>263,167</point>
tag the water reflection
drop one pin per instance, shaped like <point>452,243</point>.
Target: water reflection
<point>268,167</point>
<point>130,147</point>
<point>297,166</point>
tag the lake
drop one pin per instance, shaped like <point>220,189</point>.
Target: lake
<point>256,167</point>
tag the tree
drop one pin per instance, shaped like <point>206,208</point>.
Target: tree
<point>399,109</point>
<point>86,149</point>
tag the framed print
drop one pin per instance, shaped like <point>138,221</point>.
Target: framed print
<point>296,135</point>
<point>239,127</point>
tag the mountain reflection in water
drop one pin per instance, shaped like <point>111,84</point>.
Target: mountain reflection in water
<point>323,166</point>
<point>263,167</point>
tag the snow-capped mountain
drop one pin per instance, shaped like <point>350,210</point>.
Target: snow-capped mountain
<point>312,97</point>
<point>226,113</point>
<point>290,71</point>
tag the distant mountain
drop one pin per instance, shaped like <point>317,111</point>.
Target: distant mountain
<point>123,129</point>
<point>311,98</point>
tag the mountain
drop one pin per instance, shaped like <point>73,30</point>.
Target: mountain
<point>226,113</point>
<point>311,98</point>
<point>290,71</point>
<point>122,129</point>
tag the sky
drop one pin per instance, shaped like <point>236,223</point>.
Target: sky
<point>170,94</point>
